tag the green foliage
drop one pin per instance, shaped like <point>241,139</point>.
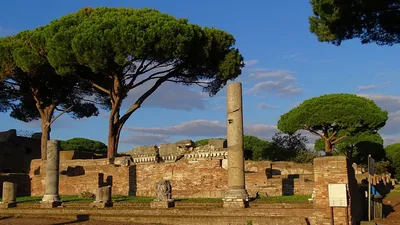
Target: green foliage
<point>203,142</point>
<point>255,148</point>
<point>120,49</point>
<point>372,21</point>
<point>393,153</point>
<point>284,199</point>
<point>83,144</point>
<point>334,116</point>
<point>304,157</point>
<point>30,84</point>
<point>382,167</point>
<point>358,146</point>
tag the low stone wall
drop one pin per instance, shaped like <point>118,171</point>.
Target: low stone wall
<point>202,178</point>
<point>77,176</point>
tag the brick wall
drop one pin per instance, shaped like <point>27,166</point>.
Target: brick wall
<point>77,176</point>
<point>204,178</point>
<point>335,170</point>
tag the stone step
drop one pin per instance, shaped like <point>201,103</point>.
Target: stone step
<point>172,216</point>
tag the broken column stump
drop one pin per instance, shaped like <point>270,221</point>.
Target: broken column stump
<point>9,195</point>
<point>163,195</point>
<point>103,197</point>
<point>51,199</point>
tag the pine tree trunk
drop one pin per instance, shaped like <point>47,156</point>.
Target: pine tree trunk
<point>328,147</point>
<point>112,142</point>
<point>46,129</point>
<point>45,137</point>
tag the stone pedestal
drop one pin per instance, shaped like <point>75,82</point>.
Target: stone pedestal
<point>103,197</point>
<point>156,204</point>
<point>236,195</point>
<point>9,195</point>
<point>51,198</point>
<point>163,195</point>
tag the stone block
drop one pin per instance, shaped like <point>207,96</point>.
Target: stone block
<point>162,204</point>
<point>101,204</point>
<point>6,205</point>
<point>367,223</point>
<point>217,143</point>
<point>235,203</point>
<point>48,205</point>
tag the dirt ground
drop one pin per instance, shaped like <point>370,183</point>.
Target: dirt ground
<point>391,208</point>
<point>43,221</point>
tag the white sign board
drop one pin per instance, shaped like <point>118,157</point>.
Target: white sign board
<point>337,195</point>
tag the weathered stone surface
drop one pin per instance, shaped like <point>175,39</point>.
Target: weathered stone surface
<point>103,197</point>
<point>163,195</point>
<point>163,190</point>
<point>162,204</point>
<point>218,143</point>
<point>336,170</point>
<point>9,192</point>
<point>203,179</point>
<point>236,178</point>
<point>9,195</point>
<point>187,144</point>
<point>123,161</point>
<point>52,175</point>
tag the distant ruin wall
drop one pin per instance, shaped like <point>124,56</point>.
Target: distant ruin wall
<point>203,178</point>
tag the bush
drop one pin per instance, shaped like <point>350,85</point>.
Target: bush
<point>85,145</point>
<point>305,157</point>
<point>382,167</point>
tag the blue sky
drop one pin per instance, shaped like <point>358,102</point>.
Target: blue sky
<point>285,66</point>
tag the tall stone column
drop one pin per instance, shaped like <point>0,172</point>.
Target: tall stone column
<point>51,198</point>
<point>9,195</point>
<point>236,195</point>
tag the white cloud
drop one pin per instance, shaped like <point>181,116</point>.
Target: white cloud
<point>392,124</point>
<point>373,86</point>
<point>251,62</point>
<point>281,88</point>
<point>197,128</point>
<point>278,74</point>
<point>392,105</point>
<point>145,139</point>
<point>169,96</point>
<point>266,106</point>
<point>386,102</point>
<point>390,139</point>
<point>280,82</point>
<point>64,121</point>
<point>261,130</point>
<point>193,128</point>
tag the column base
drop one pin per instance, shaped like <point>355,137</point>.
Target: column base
<point>102,204</point>
<point>235,203</point>
<point>51,198</point>
<point>237,194</point>
<point>162,204</point>
<point>236,198</point>
<point>50,204</point>
<point>6,205</point>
